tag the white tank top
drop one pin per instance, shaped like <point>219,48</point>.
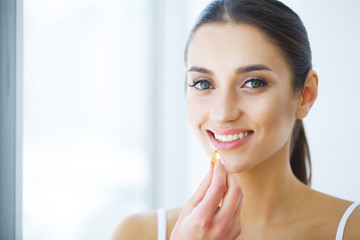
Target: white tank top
<point>345,217</point>
<point>161,222</point>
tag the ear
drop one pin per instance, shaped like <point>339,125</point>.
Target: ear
<point>308,95</point>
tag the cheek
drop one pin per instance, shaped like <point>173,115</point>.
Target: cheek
<point>196,112</point>
<point>273,117</point>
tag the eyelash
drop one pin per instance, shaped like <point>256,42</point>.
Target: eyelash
<point>262,82</point>
<point>196,82</point>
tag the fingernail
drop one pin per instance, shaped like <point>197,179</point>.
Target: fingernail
<point>215,156</point>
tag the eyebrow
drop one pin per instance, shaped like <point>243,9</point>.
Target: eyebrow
<point>240,70</point>
<point>200,70</point>
<point>252,68</point>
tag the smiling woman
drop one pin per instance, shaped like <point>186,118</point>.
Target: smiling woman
<point>250,83</point>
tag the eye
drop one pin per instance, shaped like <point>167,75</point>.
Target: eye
<point>255,83</point>
<point>201,84</point>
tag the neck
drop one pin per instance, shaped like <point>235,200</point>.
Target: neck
<point>270,191</point>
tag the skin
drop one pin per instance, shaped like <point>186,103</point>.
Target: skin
<point>260,197</point>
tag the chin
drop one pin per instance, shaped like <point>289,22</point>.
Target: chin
<point>233,168</point>
<point>236,164</point>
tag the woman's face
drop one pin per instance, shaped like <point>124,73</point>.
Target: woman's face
<point>239,96</point>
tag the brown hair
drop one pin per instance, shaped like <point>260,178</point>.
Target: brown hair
<point>284,27</point>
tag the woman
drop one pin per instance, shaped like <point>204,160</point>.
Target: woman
<point>250,82</point>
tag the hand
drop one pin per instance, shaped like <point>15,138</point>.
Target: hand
<point>202,218</point>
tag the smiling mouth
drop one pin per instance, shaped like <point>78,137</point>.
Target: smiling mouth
<point>229,139</point>
<point>232,137</point>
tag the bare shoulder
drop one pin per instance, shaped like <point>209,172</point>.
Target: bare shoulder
<point>352,229</point>
<point>137,226</point>
<point>328,212</point>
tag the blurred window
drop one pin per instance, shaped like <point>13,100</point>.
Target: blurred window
<point>86,104</point>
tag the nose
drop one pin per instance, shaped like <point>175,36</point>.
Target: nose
<point>226,107</point>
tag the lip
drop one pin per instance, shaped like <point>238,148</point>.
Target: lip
<point>229,131</point>
<point>228,145</point>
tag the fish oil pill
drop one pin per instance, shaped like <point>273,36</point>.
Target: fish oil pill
<point>215,156</point>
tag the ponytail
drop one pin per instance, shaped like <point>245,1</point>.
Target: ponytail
<point>300,160</point>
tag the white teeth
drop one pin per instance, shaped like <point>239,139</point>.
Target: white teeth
<point>229,138</point>
<point>241,135</point>
<point>236,136</point>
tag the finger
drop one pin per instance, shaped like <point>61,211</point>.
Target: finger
<point>210,203</point>
<point>231,199</point>
<point>200,191</point>
<point>223,224</point>
<point>236,221</point>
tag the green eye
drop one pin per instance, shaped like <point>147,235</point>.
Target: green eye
<point>202,84</point>
<point>255,83</point>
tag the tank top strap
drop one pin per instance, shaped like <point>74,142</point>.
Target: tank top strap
<point>161,224</point>
<point>345,217</point>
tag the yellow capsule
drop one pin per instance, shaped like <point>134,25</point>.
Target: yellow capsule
<point>215,156</point>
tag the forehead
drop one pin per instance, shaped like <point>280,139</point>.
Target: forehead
<point>229,46</point>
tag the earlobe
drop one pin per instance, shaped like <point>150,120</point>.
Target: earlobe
<point>308,95</point>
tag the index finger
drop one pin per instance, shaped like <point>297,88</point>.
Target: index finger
<point>210,203</point>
